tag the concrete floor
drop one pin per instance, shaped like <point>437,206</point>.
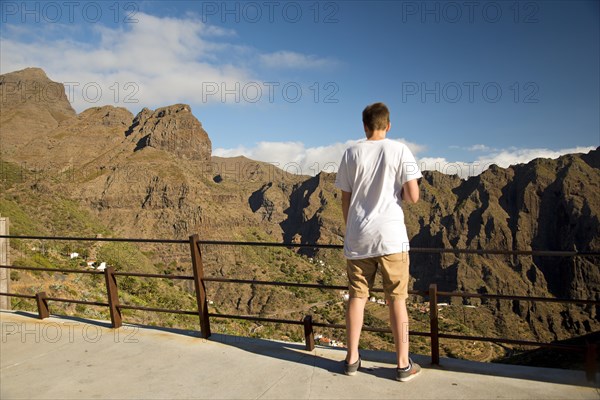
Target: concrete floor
<point>70,358</point>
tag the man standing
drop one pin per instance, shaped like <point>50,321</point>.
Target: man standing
<point>376,175</point>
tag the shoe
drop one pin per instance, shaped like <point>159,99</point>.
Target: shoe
<point>407,375</point>
<point>350,369</point>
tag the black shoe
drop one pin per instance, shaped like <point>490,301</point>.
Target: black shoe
<point>350,369</point>
<point>406,375</point>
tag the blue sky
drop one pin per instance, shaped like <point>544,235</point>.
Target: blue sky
<point>468,83</point>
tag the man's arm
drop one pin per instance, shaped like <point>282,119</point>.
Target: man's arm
<point>410,191</point>
<point>346,204</point>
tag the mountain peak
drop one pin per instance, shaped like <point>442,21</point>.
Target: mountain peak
<point>29,73</point>
<point>173,129</point>
<point>32,105</point>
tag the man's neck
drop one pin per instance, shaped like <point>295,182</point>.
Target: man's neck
<point>377,135</point>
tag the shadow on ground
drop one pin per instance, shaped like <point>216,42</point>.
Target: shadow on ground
<point>377,363</point>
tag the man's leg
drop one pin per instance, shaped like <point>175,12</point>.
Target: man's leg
<point>399,324</point>
<point>354,321</point>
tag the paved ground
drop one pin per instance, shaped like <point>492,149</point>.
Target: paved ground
<point>68,358</point>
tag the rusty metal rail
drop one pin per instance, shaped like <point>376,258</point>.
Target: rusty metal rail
<point>307,322</point>
<point>538,253</point>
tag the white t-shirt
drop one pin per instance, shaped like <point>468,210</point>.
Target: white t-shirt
<point>374,171</point>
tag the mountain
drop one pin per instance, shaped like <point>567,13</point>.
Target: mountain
<point>152,175</point>
<point>30,105</point>
<point>543,205</point>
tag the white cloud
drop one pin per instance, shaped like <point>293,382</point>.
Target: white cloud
<point>503,158</point>
<point>507,157</point>
<point>478,147</point>
<point>154,62</point>
<point>295,157</point>
<point>157,61</point>
<point>475,147</point>
<point>290,59</point>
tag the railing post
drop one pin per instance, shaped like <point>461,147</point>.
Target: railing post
<point>42,305</point>
<point>433,324</point>
<point>591,366</point>
<point>113,297</point>
<point>309,335</point>
<point>198,269</point>
<point>4,260</point>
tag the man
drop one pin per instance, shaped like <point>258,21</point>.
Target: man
<point>376,175</point>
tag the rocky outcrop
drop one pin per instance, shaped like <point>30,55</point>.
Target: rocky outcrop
<point>544,205</point>
<point>79,143</point>
<point>304,212</point>
<point>31,106</point>
<point>263,201</point>
<point>173,129</point>
<point>302,224</point>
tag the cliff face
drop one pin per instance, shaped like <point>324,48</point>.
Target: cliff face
<point>543,205</point>
<point>30,105</point>
<point>153,176</point>
<point>173,129</point>
<point>152,180</point>
<point>78,143</point>
<point>546,204</point>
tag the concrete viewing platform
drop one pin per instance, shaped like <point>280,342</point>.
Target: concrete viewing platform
<point>73,358</point>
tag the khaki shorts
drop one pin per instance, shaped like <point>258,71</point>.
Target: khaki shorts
<point>394,269</point>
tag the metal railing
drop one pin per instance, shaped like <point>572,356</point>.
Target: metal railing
<point>115,307</point>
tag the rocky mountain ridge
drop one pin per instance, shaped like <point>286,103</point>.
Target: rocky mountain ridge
<point>153,176</point>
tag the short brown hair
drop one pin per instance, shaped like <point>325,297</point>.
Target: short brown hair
<point>376,117</point>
